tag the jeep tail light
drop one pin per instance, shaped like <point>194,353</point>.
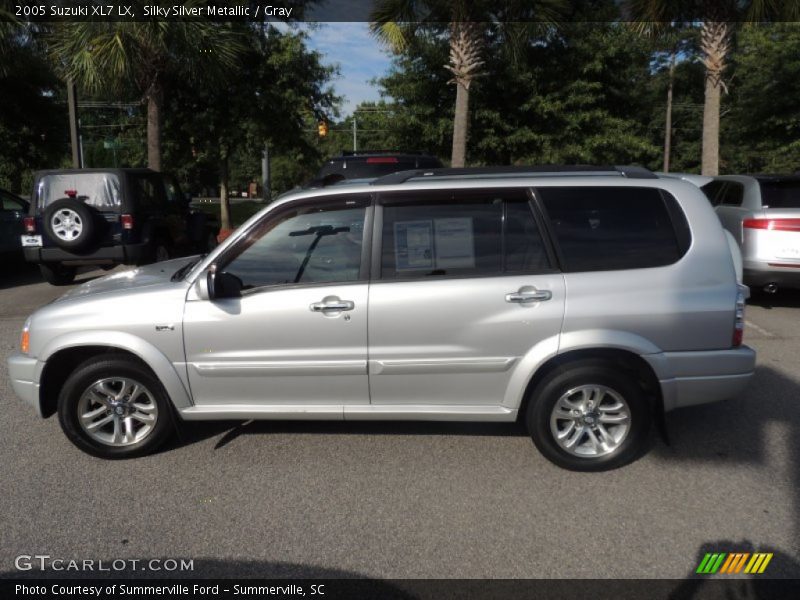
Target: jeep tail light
<point>772,224</point>
<point>30,224</point>
<point>738,322</point>
<point>127,221</point>
<point>71,193</point>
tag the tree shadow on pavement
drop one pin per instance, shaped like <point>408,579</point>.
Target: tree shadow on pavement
<point>737,432</point>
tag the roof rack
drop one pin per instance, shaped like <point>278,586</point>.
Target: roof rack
<point>631,172</point>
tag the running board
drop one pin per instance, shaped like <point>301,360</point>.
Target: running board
<point>365,412</point>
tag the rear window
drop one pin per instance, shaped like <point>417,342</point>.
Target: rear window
<point>608,228</point>
<point>780,194</point>
<point>100,190</point>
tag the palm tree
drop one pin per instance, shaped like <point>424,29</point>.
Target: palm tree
<point>113,56</point>
<point>717,20</point>
<point>393,21</point>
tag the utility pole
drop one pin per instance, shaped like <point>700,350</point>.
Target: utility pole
<point>74,125</point>
<point>355,134</point>
<point>668,119</point>
<point>265,182</point>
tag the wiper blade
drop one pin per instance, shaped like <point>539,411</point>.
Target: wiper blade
<point>185,268</point>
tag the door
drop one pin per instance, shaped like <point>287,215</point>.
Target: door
<point>465,287</point>
<point>297,337</point>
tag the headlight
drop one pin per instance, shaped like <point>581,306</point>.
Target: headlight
<point>25,339</point>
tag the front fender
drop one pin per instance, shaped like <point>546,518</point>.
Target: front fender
<point>149,354</point>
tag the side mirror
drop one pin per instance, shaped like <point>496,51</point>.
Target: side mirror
<point>222,284</point>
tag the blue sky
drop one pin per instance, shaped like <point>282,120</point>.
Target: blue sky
<point>358,56</point>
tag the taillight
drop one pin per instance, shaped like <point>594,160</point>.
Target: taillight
<point>382,160</point>
<point>738,322</point>
<point>772,224</point>
<point>30,224</point>
<point>127,221</point>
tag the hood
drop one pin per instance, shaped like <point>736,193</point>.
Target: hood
<point>134,279</point>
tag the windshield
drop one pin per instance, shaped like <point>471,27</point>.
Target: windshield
<point>780,194</point>
<point>100,190</point>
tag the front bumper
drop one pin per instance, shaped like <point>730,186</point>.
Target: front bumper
<point>122,253</point>
<point>22,370</point>
<point>693,378</point>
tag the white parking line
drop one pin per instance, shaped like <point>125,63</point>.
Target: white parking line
<point>760,330</point>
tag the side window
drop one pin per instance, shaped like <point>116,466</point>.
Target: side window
<point>524,249</point>
<point>459,234</point>
<point>146,193</point>
<point>610,228</point>
<point>171,189</point>
<point>712,191</point>
<point>733,194</point>
<point>12,204</point>
<point>306,244</point>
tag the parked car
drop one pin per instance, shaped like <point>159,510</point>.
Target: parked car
<point>585,302</point>
<point>12,212</point>
<point>762,212</point>
<point>108,217</point>
<point>370,165</point>
<point>733,245</point>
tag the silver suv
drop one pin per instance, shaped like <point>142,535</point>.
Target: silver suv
<point>762,212</point>
<point>584,302</point>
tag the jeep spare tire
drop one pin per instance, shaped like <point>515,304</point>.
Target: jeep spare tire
<point>69,223</point>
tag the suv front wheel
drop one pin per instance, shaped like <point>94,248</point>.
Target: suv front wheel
<point>114,408</point>
<point>589,416</point>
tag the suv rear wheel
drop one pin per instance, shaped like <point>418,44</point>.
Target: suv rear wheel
<point>57,274</point>
<point>114,408</point>
<point>589,416</point>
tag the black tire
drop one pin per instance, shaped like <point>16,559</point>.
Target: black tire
<point>83,215</point>
<point>589,373</point>
<point>94,370</point>
<point>57,274</point>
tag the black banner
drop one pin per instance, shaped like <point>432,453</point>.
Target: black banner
<point>732,588</point>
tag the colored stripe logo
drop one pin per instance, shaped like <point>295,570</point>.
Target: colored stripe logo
<point>733,562</point>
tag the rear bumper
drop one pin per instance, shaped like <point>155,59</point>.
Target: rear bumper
<point>759,273</point>
<point>692,378</point>
<point>24,381</point>
<point>123,253</point>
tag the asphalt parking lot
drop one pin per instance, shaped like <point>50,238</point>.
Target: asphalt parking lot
<point>401,500</point>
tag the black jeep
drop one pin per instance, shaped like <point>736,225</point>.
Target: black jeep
<point>107,217</point>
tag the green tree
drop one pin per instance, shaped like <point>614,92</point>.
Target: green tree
<point>470,22</point>
<point>762,132</point>
<point>144,56</point>
<point>279,87</point>
<point>717,21</point>
<point>32,125</point>
<point>579,95</point>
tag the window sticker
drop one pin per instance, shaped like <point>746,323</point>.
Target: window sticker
<point>455,246</point>
<point>413,245</point>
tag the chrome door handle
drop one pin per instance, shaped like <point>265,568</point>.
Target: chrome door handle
<point>331,306</point>
<point>532,296</point>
